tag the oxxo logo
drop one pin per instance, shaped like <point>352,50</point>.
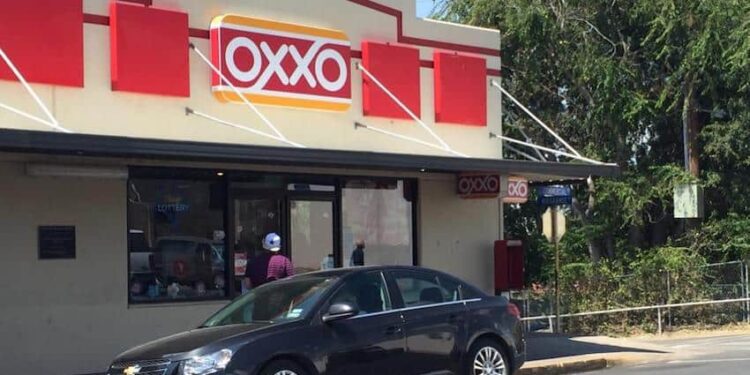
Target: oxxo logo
<point>517,190</point>
<point>478,185</point>
<point>281,64</point>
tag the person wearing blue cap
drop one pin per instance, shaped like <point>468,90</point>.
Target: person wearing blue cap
<point>269,266</point>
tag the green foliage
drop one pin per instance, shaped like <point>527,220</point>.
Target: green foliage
<point>642,282</point>
<point>618,80</point>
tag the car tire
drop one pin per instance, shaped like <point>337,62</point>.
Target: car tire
<point>283,367</point>
<point>487,357</point>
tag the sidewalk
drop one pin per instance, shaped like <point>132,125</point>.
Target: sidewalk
<point>558,354</point>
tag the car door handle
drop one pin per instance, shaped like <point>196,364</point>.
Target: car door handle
<point>393,330</point>
<point>454,318</point>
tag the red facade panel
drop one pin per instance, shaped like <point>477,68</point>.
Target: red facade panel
<point>396,67</point>
<point>460,89</point>
<point>44,39</point>
<point>149,50</point>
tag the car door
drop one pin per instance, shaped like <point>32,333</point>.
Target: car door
<point>372,342</point>
<point>434,320</point>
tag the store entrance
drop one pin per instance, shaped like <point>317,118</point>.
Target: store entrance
<point>306,221</point>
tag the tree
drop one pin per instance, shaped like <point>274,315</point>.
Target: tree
<point>619,80</point>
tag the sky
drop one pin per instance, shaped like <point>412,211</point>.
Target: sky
<point>424,7</point>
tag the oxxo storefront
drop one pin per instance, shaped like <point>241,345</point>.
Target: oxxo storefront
<point>158,141</point>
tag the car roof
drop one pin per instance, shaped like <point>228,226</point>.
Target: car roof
<point>341,272</point>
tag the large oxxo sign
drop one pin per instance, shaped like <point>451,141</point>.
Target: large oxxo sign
<point>471,185</point>
<point>281,64</point>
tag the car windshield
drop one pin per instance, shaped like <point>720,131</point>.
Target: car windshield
<point>275,302</point>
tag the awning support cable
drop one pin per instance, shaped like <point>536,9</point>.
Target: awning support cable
<point>358,125</point>
<point>190,111</point>
<point>519,152</point>
<point>496,85</point>
<point>528,139</point>
<point>550,150</point>
<point>406,109</point>
<point>52,122</point>
<point>238,93</point>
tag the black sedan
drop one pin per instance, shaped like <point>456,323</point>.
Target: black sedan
<point>374,320</point>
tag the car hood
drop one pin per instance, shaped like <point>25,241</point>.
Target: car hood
<point>176,347</point>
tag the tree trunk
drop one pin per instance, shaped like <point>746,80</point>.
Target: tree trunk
<point>595,249</point>
<point>585,213</point>
<point>692,126</point>
<point>609,242</point>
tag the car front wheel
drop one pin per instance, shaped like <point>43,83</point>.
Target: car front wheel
<point>283,368</point>
<point>488,358</point>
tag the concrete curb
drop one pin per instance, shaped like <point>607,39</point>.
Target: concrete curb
<point>570,367</point>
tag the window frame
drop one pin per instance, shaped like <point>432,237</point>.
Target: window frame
<point>181,174</point>
<point>230,178</point>
<point>415,212</point>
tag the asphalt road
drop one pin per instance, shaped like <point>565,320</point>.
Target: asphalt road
<point>725,355</point>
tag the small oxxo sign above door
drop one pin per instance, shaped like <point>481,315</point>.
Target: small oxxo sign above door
<point>478,185</point>
<point>515,190</point>
<point>488,185</point>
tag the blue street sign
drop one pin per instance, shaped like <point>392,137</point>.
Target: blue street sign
<point>555,195</point>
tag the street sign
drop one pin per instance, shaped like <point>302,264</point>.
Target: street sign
<point>555,195</point>
<point>553,231</point>
<point>688,201</point>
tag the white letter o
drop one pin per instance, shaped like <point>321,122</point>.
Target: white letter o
<point>339,83</point>
<point>239,74</point>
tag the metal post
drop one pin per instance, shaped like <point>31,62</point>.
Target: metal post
<point>557,269</point>
<point>742,291</point>
<point>669,300</point>
<point>747,292</point>
<point>658,317</point>
<point>551,326</point>
<point>528,308</point>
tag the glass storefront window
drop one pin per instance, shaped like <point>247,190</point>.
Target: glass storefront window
<point>377,222</point>
<point>311,235</point>
<point>176,240</point>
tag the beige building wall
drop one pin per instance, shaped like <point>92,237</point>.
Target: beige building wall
<point>72,316</point>
<point>457,235</point>
<point>96,109</point>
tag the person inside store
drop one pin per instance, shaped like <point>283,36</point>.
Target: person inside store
<point>268,266</point>
<point>358,255</point>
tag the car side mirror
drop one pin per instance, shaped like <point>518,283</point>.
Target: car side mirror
<point>340,311</point>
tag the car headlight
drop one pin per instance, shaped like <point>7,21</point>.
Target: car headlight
<point>207,364</point>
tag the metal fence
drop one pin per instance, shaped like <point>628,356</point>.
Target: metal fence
<point>653,303</point>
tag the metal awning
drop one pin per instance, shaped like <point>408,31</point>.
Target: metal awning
<point>55,143</point>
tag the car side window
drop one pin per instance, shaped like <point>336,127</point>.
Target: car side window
<point>423,288</point>
<point>367,291</point>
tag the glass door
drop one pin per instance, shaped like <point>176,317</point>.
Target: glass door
<point>253,219</point>
<point>312,234</point>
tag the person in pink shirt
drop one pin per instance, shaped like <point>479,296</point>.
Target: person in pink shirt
<point>269,266</point>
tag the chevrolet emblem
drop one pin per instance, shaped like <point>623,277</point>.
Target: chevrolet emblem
<point>132,370</point>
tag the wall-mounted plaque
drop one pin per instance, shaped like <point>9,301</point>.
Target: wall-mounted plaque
<point>57,242</point>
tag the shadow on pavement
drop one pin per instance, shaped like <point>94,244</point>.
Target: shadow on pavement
<point>542,346</point>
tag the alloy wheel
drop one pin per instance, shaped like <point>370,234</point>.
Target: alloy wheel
<point>488,361</point>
